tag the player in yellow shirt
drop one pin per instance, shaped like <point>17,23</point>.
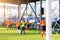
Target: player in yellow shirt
<point>23,25</point>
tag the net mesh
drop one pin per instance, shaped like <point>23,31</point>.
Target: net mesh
<point>55,16</point>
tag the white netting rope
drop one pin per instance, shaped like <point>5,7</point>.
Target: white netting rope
<point>54,29</point>
<point>56,26</point>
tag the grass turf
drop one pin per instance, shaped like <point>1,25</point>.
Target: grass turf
<point>30,35</point>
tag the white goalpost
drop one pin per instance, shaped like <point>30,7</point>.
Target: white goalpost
<point>48,20</point>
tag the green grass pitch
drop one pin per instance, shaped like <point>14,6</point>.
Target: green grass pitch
<point>30,35</point>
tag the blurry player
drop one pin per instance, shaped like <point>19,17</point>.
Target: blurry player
<point>11,22</point>
<point>18,24</point>
<point>38,27</point>
<point>28,25</point>
<point>43,24</point>
<point>8,23</point>
<point>23,24</point>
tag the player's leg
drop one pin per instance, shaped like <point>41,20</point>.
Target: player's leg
<point>44,31</point>
<point>21,29</point>
<point>10,27</point>
<point>37,28</point>
<point>24,30</point>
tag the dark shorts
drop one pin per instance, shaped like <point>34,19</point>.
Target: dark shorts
<point>9,26</point>
<point>19,27</point>
<point>28,26</point>
<point>43,28</point>
<point>23,28</point>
